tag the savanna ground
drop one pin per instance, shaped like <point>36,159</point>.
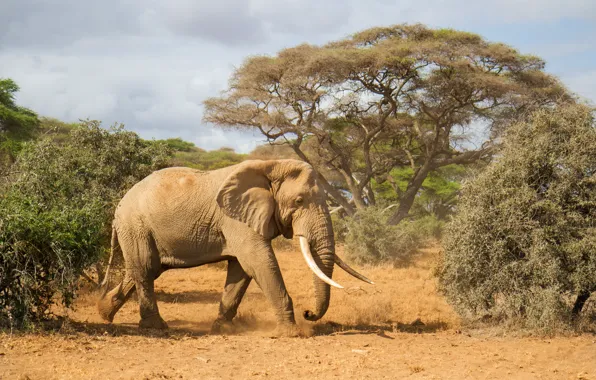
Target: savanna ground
<point>398,328</point>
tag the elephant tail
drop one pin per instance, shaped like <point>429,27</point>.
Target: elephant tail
<point>115,246</point>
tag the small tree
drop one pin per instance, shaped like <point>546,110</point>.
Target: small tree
<point>523,243</point>
<point>56,212</point>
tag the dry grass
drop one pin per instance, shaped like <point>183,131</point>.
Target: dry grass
<point>401,299</point>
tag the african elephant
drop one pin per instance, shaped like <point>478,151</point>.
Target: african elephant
<point>181,217</point>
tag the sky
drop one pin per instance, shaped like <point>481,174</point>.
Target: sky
<point>150,63</point>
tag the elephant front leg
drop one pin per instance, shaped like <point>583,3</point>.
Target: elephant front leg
<point>237,282</point>
<point>262,265</point>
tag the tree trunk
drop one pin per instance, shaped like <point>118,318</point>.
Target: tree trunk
<point>100,272</point>
<point>409,196</point>
<point>357,196</point>
<point>329,189</point>
<point>336,195</point>
<point>582,297</point>
<point>370,194</point>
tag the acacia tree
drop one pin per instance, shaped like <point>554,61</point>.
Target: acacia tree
<point>385,97</point>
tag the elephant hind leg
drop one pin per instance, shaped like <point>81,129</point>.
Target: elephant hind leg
<point>110,302</point>
<point>150,317</point>
<point>145,267</point>
<point>237,282</point>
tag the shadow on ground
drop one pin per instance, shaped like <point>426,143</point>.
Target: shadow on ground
<point>199,296</point>
<point>178,329</point>
<point>194,296</point>
<point>416,327</point>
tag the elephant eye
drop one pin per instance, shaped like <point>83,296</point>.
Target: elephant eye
<point>299,201</point>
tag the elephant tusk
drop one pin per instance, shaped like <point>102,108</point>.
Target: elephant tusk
<point>305,248</point>
<point>351,271</point>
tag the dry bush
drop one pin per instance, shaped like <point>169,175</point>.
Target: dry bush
<point>523,243</point>
<point>280,243</point>
<point>189,298</point>
<point>400,295</point>
<point>370,240</point>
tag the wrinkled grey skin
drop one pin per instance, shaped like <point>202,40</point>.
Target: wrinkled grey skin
<point>181,218</point>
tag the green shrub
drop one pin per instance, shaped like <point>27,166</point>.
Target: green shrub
<point>56,213</point>
<point>17,124</point>
<point>369,239</point>
<point>523,243</point>
<point>42,252</point>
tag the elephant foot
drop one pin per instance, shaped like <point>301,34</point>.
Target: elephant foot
<point>223,326</point>
<point>106,313</point>
<point>288,330</point>
<point>106,309</point>
<point>153,322</point>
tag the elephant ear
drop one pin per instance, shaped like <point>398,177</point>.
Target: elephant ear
<point>246,196</point>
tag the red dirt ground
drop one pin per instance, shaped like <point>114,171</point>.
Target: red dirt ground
<point>367,334</point>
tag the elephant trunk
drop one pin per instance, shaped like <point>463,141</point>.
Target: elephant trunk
<point>322,289</point>
<point>322,241</point>
<point>319,237</point>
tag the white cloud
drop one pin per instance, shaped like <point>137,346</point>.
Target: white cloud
<point>302,17</point>
<point>230,22</point>
<point>584,84</point>
<point>564,49</point>
<point>543,10</point>
<point>440,12</point>
<point>157,95</point>
<point>151,63</point>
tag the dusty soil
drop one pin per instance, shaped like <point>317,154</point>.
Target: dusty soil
<point>398,328</point>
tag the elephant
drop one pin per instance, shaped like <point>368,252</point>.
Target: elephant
<point>181,217</point>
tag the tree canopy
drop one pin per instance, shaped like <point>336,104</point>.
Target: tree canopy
<point>405,95</point>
